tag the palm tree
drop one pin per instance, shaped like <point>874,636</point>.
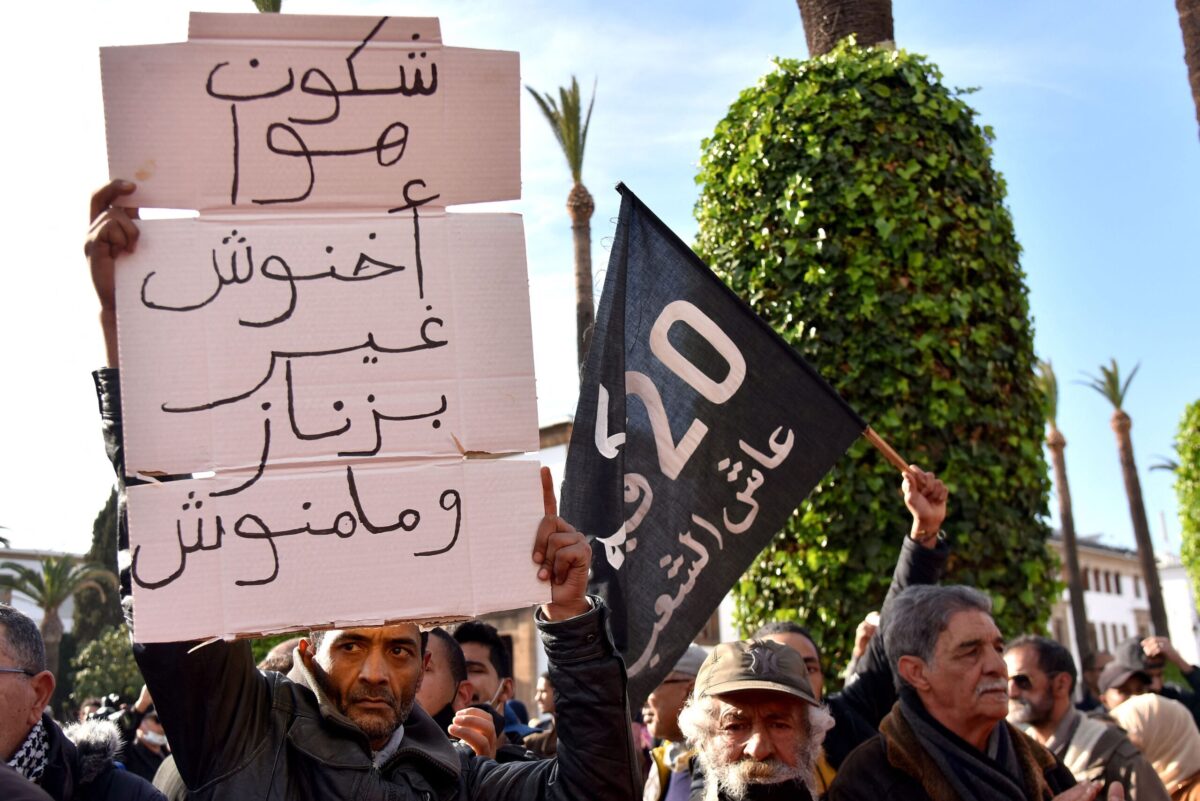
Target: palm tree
<point>571,131</point>
<point>268,6</point>
<point>58,580</point>
<point>827,22</point>
<point>1189,22</point>
<point>1057,443</point>
<point>1109,385</point>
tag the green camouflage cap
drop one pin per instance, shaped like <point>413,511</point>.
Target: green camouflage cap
<point>754,665</point>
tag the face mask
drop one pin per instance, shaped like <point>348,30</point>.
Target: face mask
<point>154,738</point>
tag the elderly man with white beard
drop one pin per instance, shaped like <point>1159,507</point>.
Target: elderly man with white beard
<point>755,724</point>
<point>946,738</point>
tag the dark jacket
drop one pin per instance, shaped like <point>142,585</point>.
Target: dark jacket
<point>1188,696</point>
<point>894,765</point>
<point>15,787</point>
<point>858,708</point>
<point>80,765</point>
<point>241,734</point>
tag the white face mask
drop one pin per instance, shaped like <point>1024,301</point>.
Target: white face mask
<point>154,738</point>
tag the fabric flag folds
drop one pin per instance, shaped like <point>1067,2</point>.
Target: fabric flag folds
<point>698,432</point>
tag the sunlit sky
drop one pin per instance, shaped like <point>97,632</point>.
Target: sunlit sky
<point>1096,136</point>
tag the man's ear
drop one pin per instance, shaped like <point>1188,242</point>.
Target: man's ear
<point>506,691</point>
<point>462,696</point>
<point>913,669</point>
<point>305,649</point>
<point>43,688</point>
<point>1061,685</point>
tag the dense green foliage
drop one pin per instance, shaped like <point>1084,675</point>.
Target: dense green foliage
<point>105,665</point>
<point>850,199</point>
<point>94,611</point>
<point>1187,489</point>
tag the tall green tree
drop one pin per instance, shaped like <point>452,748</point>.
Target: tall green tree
<point>97,611</point>
<point>58,579</point>
<point>1114,390</point>
<point>1057,444</point>
<point>106,665</point>
<point>570,128</point>
<point>1187,489</point>
<point>851,200</point>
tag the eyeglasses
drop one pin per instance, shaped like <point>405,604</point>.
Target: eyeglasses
<point>1025,683</point>
<point>28,673</point>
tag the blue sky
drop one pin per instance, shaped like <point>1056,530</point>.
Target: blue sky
<point>1095,134</point>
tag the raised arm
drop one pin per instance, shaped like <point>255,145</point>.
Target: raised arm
<point>213,703</point>
<point>595,757</point>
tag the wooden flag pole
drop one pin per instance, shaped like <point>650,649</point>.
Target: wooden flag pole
<point>888,451</point>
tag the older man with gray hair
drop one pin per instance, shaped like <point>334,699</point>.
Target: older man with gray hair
<point>946,738</point>
<point>755,724</point>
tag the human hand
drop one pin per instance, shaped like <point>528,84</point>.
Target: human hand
<point>563,557</point>
<point>1086,791</point>
<point>111,233</point>
<point>1156,647</point>
<point>863,634</point>
<point>925,496</point>
<point>477,729</point>
<point>144,700</point>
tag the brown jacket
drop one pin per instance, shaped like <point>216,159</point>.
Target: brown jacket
<point>894,765</point>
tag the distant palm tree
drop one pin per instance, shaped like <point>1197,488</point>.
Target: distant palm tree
<point>268,6</point>
<point>1109,384</point>
<point>1057,444</point>
<point>571,130</point>
<point>58,580</point>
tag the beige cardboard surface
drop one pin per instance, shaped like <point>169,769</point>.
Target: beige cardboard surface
<point>271,343</point>
<point>352,545</point>
<point>313,354</point>
<point>312,112</point>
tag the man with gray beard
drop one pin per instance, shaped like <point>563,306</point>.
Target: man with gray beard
<point>755,724</point>
<point>946,737</point>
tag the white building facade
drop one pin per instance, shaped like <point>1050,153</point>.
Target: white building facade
<point>1116,604</point>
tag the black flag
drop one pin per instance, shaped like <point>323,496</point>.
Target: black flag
<point>698,432</point>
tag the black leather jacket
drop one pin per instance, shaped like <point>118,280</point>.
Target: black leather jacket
<point>237,733</point>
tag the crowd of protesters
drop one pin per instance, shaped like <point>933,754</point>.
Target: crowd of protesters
<point>936,704</point>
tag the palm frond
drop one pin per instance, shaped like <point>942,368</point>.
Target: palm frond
<point>565,119</point>
<point>1109,383</point>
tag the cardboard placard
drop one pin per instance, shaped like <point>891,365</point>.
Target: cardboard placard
<point>306,365</point>
<point>354,545</point>
<point>312,112</point>
<point>246,345</point>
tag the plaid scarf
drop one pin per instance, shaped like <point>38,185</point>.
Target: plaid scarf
<point>30,759</point>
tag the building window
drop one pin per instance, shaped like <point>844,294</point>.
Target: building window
<point>1104,636</point>
<point>1084,576</point>
<point>1137,586</point>
<point>1115,638</point>
<point>1060,630</point>
<point>1107,582</point>
<point>1124,632</point>
<point>1091,634</point>
<point>1117,581</point>
<point>1099,583</point>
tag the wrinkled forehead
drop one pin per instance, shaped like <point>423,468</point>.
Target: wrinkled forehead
<point>1023,660</point>
<point>382,636</point>
<point>968,628</point>
<point>753,704</point>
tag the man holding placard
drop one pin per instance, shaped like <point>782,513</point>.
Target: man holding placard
<point>343,723</point>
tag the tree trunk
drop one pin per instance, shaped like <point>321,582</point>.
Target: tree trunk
<point>1141,529</point>
<point>1189,22</point>
<point>826,22</point>
<point>1058,443</point>
<point>580,206</point>
<point>52,634</point>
